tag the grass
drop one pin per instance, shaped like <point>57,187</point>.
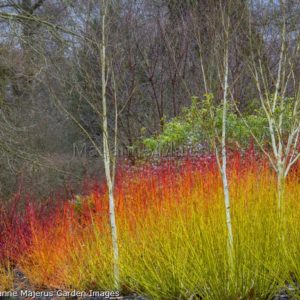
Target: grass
<point>172,234</point>
<point>6,278</point>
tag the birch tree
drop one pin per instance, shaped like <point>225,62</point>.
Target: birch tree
<point>222,159</point>
<point>108,159</point>
<point>279,97</point>
<point>221,40</point>
<point>97,99</point>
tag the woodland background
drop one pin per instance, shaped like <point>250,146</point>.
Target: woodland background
<point>157,53</point>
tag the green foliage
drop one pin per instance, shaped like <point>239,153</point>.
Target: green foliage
<point>201,123</point>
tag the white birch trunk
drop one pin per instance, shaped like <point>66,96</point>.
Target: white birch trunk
<point>224,164</point>
<point>107,157</point>
<point>280,185</point>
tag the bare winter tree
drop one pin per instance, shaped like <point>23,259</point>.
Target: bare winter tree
<point>277,82</point>
<point>93,82</point>
<point>222,161</point>
<point>109,159</point>
<point>221,40</point>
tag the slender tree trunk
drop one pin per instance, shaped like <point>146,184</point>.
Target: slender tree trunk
<point>280,199</point>
<point>224,164</point>
<point>107,156</point>
<point>280,186</point>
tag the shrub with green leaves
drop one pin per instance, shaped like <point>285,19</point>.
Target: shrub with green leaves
<point>201,124</point>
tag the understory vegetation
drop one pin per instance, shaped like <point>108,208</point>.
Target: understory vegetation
<point>172,234</point>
